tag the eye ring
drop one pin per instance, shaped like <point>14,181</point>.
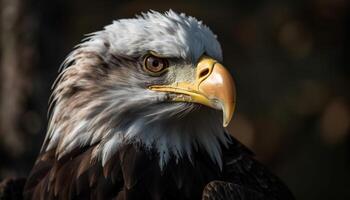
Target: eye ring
<point>155,65</point>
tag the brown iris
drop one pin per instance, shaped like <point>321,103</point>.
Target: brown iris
<point>155,65</point>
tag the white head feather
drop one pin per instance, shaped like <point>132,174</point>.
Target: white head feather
<point>126,113</point>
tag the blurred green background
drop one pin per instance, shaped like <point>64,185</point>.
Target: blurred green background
<point>290,59</point>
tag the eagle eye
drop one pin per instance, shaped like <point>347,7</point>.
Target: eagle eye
<point>155,65</point>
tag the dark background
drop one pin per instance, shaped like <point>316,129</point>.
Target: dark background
<point>290,59</point>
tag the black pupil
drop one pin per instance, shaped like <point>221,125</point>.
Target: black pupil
<point>155,63</point>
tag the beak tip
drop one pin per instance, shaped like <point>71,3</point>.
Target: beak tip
<point>227,111</point>
<point>226,121</point>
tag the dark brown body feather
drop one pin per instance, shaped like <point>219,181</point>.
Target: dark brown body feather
<point>134,173</point>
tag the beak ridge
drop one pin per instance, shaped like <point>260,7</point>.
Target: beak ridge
<point>219,87</point>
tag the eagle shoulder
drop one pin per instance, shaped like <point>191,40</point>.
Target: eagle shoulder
<point>74,176</point>
<point>245,178</point>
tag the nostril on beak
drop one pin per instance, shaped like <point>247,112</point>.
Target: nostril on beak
<point>204,73</point>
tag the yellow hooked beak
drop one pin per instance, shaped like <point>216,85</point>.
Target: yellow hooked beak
<point>213,87</point>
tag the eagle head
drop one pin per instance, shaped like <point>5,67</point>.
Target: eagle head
<point>154,81</point>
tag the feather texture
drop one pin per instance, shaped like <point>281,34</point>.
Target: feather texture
<point>135,174</point>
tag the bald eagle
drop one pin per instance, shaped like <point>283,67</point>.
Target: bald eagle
<point>138,112</point>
